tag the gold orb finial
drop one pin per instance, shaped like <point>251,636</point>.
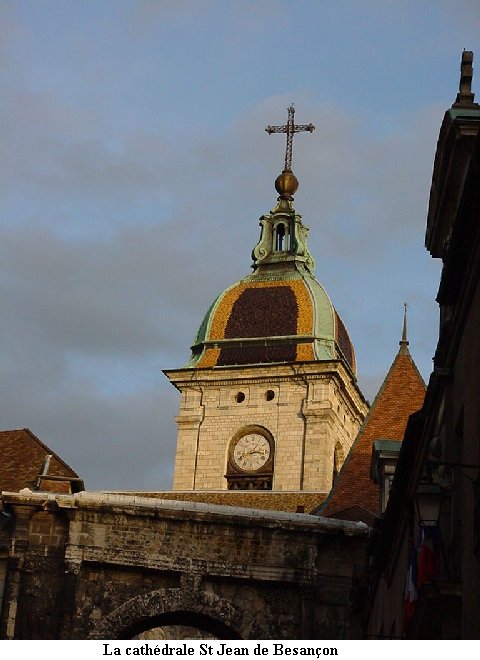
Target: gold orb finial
<point>286,184</point>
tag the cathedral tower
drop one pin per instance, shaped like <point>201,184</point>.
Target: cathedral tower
<point>269,398</point>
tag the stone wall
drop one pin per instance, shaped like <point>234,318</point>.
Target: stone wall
<point>314,407</point>
<point>112,567</point>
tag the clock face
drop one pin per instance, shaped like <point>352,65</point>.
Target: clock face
<point>251,452</point>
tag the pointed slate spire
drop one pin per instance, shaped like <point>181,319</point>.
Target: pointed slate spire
<point>354,495</point>
<point>404,342</point>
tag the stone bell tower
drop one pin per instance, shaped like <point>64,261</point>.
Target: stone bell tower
<point>269,398</point>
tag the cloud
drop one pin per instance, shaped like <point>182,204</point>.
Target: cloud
<point>116,442</point>
<point>93,319</point>
<point>464,13</point>
<point>148,14</point>
<point>51,147</point>
<point>130,199</point>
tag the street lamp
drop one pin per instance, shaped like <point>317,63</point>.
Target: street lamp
<point>428,499</point>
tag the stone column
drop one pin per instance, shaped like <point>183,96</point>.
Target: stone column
<point>69,593</point>
<point>307,597</point>
<point>318,450</point>
<point>187,447</point>
<point>18,550</point>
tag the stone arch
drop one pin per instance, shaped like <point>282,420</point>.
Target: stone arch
<point>172,607</point>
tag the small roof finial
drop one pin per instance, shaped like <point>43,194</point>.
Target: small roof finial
<point>286,183</point>
<point>465,95</point>
<point>404,341</point>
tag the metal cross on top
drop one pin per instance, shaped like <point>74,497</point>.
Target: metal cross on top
<point>290,128</point>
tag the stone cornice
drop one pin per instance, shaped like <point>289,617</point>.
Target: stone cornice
<point>133,505</point>
<point>299,372</point>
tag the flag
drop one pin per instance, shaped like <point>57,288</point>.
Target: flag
<point>429,542</point>
<point>411,593</point>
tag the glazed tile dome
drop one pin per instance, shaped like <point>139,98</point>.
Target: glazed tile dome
<point>279,313</point>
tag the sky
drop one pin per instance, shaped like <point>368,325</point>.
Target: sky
<point>134,169</point>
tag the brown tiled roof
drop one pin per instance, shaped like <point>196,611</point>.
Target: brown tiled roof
<point>285,352</point>
<point>354,495</point>
<point>22,456</point>
<point>263,312</point>
<point>344,342</point>
<point>355,513</point>
<point>257,499</point>
<point>261,306</point>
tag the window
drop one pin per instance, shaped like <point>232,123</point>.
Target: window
<point>338,458</point>
<point>281,237</point>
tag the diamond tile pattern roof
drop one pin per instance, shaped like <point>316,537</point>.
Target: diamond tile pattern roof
<point>263,319</point>
<point>354,496</point>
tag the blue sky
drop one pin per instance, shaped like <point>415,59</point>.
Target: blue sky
<point>134,169</point>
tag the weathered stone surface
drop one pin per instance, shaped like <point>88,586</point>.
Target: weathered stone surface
<point>130,564</point>
<point>313,409</point>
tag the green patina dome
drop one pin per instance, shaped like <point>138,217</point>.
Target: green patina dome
<point>279,313</point>
<point>264,320</point>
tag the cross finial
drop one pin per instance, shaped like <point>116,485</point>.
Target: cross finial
<point>290,128</point>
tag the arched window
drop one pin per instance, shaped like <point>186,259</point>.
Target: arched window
<point>282,238</point>
<point>280,235</point>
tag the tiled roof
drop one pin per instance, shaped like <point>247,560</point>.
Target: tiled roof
<point>22,456</point>
<point>354,495</point>
<point>269,500</point>
<point>258,319</point>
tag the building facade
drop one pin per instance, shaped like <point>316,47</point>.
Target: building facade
<point>269,398</point>
<point>270,417</point>
<point>426,564</point>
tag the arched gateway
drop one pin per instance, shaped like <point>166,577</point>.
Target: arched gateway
<point>167,607</point>
<point>112,566</point>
